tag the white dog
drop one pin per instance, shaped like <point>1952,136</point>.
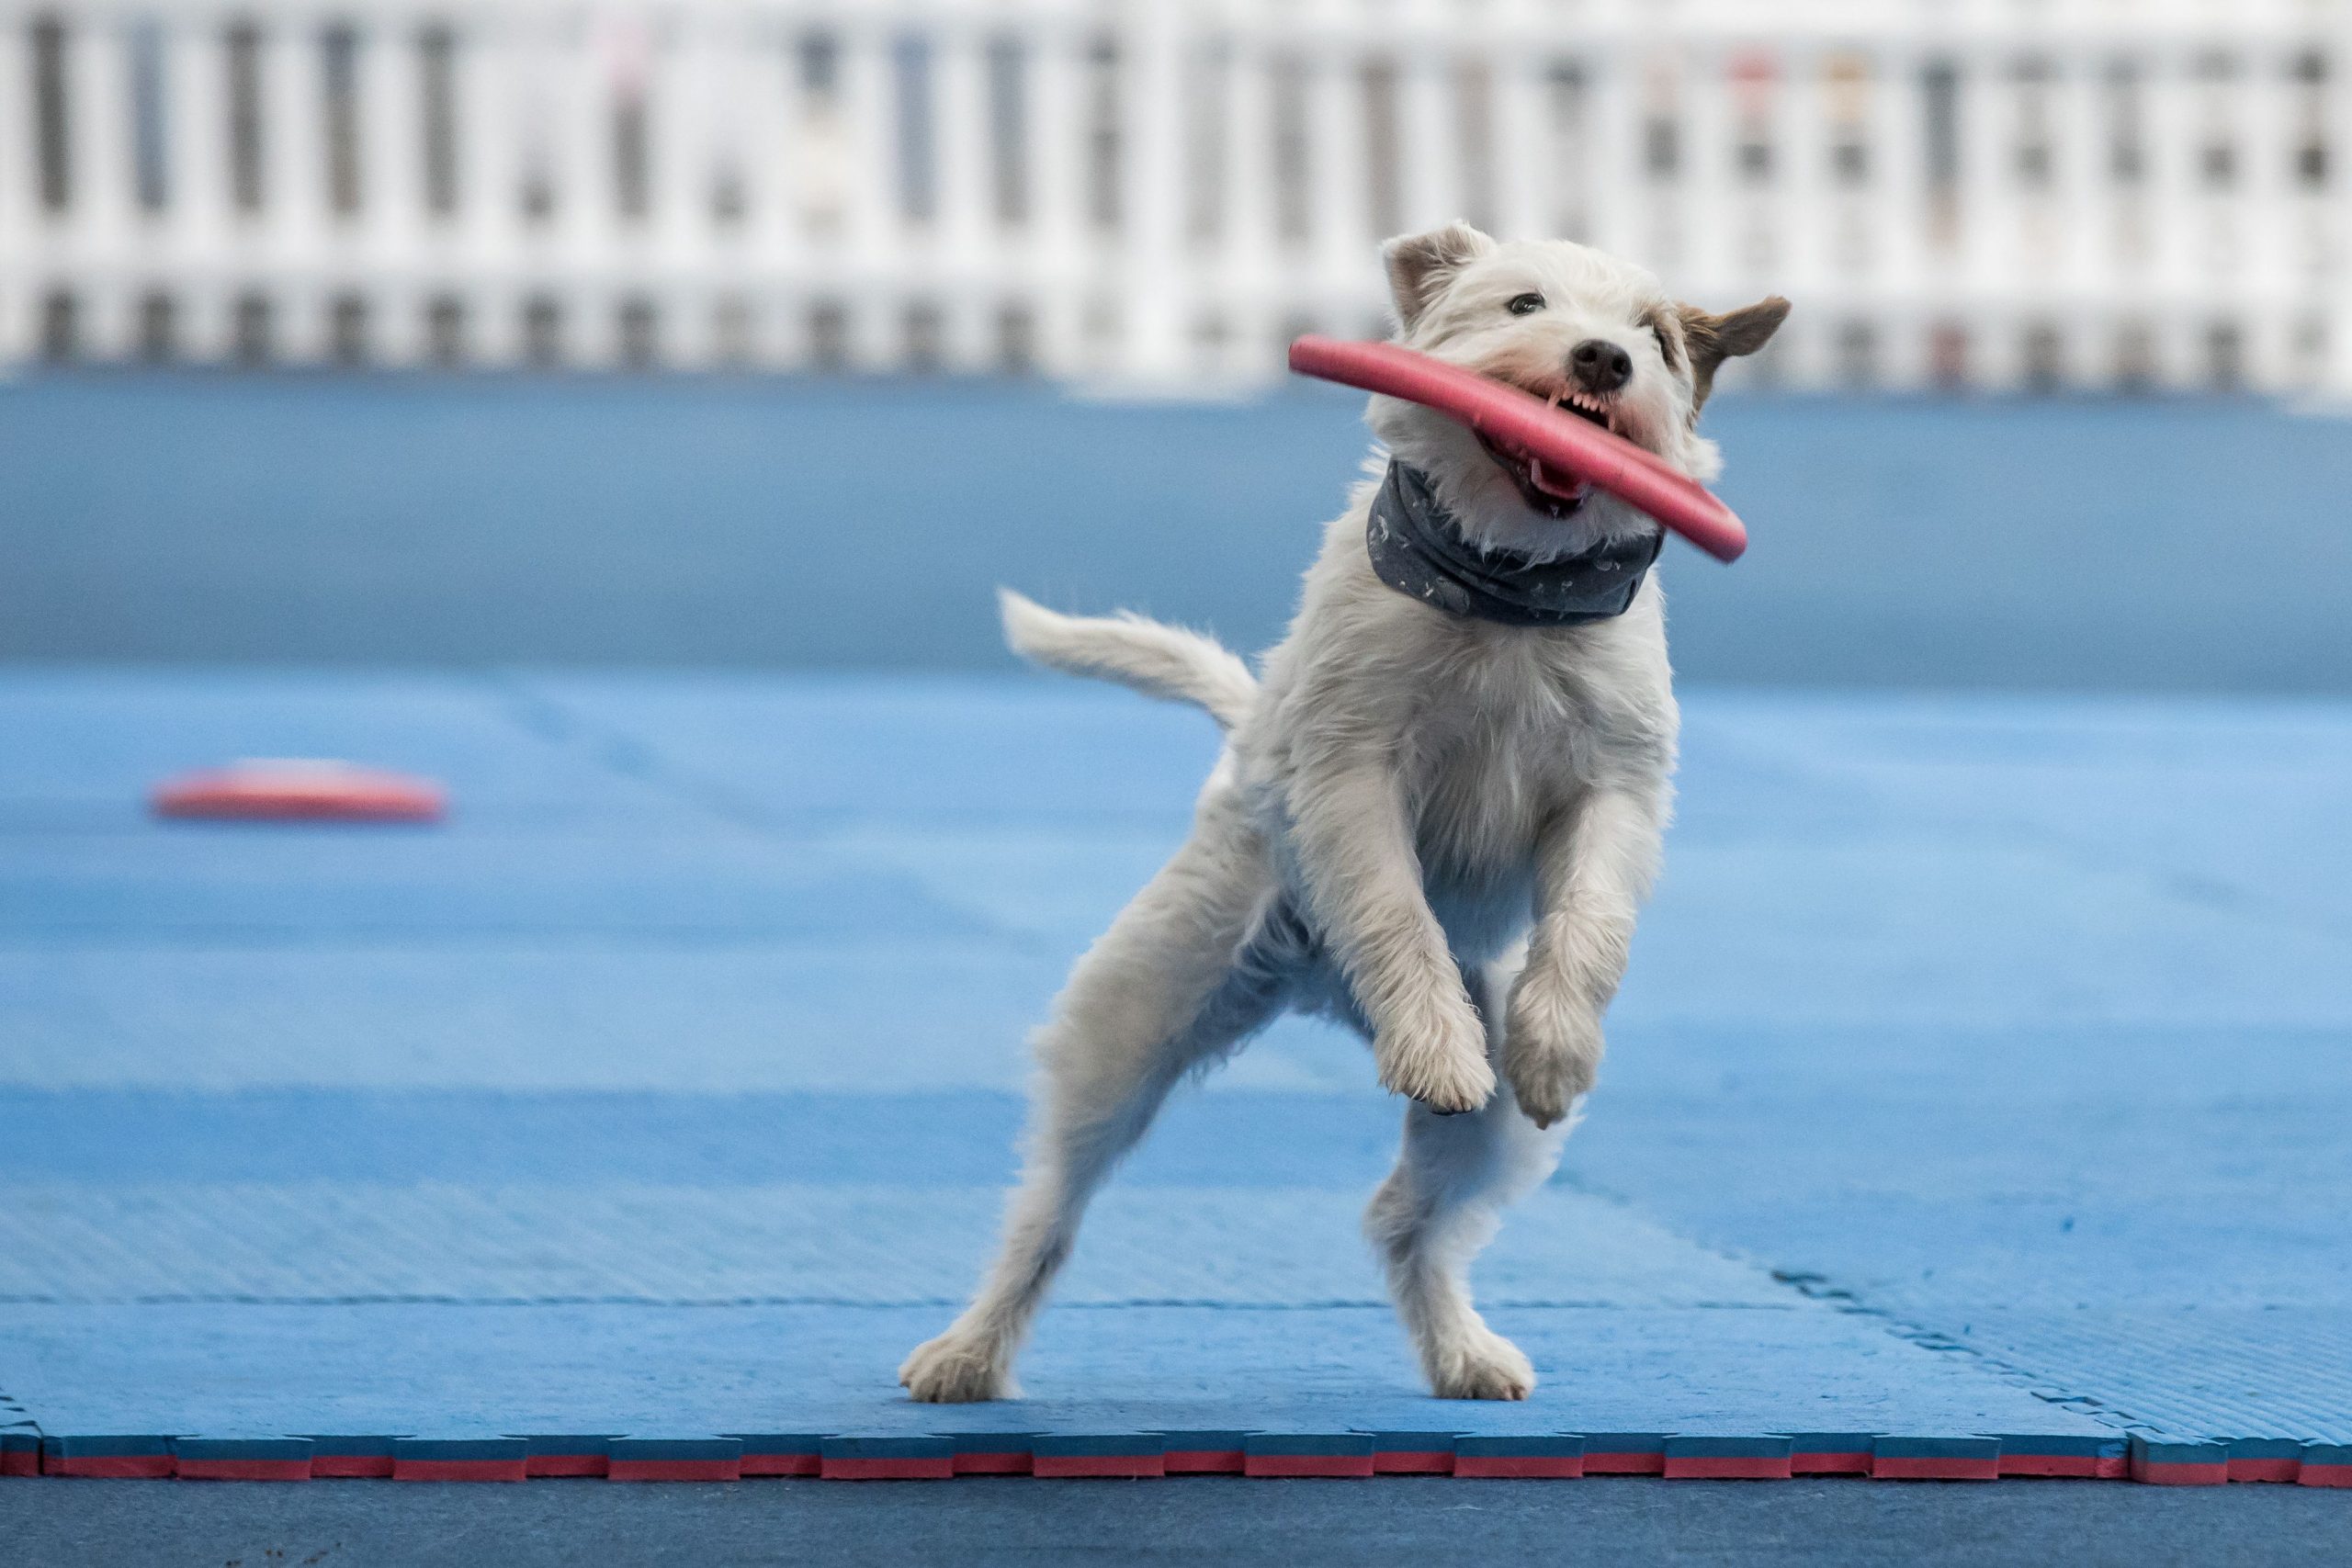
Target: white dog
<point>1436,815</point>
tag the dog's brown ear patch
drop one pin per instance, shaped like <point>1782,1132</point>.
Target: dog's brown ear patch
<point>1420,264</point>
<point>1714,339</point>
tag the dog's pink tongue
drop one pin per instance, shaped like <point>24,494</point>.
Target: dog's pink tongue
<point>1561,487</point>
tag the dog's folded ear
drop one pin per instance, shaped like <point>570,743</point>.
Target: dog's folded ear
<point>1714,339</point>
<point>1420,265</point>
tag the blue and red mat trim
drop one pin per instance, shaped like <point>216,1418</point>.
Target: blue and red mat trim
<point>1205,1453</point>
<point>781,1453</point>
<point>462,1459</point>
<point>1562,1456</point>
<point>886,1459</point>
<point>552,1454</point>
<point>351,1457</point>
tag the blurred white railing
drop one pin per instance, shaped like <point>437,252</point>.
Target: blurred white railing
<point>1160,192</point>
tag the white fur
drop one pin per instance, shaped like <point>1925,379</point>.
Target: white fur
<point>1436,829</point>
<point>1157,660</point>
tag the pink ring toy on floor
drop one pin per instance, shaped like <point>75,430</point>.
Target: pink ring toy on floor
<point>1522,423</point>
<point>299,791</point>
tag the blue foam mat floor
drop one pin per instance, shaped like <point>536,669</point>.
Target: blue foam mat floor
<point>1986,1067</point>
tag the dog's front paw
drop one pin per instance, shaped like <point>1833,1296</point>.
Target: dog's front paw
<point>1482,1364</point>
<point>1551,1046</point>
<point>1440,1061</point>
<point>954,1369</point>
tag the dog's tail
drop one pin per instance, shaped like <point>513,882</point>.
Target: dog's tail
<point>1156,659</point>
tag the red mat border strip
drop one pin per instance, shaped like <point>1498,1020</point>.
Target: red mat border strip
<point>1561,1456</point>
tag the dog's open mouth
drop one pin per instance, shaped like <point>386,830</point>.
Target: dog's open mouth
<point>1548,491</point>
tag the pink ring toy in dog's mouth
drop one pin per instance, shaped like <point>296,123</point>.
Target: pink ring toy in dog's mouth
<point>1543,442</point>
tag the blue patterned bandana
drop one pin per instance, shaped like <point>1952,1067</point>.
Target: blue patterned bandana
<point>1418,550</point>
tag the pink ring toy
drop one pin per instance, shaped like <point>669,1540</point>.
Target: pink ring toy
<point>1522,423</point>
<point>299,791</point>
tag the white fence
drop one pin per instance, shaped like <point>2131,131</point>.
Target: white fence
<point>1990,192</point>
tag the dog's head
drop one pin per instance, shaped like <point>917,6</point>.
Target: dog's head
<point>1577,328</point>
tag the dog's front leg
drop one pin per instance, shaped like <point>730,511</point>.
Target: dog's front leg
<point>1363,885</point>
<point>1595,863</point>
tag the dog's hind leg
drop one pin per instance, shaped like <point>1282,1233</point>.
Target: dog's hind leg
<point>1200,958</point>
<point>1439,1208</point>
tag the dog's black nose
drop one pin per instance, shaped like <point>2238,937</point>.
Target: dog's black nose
<point>1599,365</point>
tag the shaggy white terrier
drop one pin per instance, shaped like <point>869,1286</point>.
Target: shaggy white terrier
<point>1431,824</point>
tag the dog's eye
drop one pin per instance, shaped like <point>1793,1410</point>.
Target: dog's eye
<point>1664,344</point>
<point>1525,304</point>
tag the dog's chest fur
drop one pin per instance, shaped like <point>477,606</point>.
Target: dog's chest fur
<point>1493,730</point>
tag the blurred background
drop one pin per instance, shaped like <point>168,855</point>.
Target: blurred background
<point>769,333</point>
